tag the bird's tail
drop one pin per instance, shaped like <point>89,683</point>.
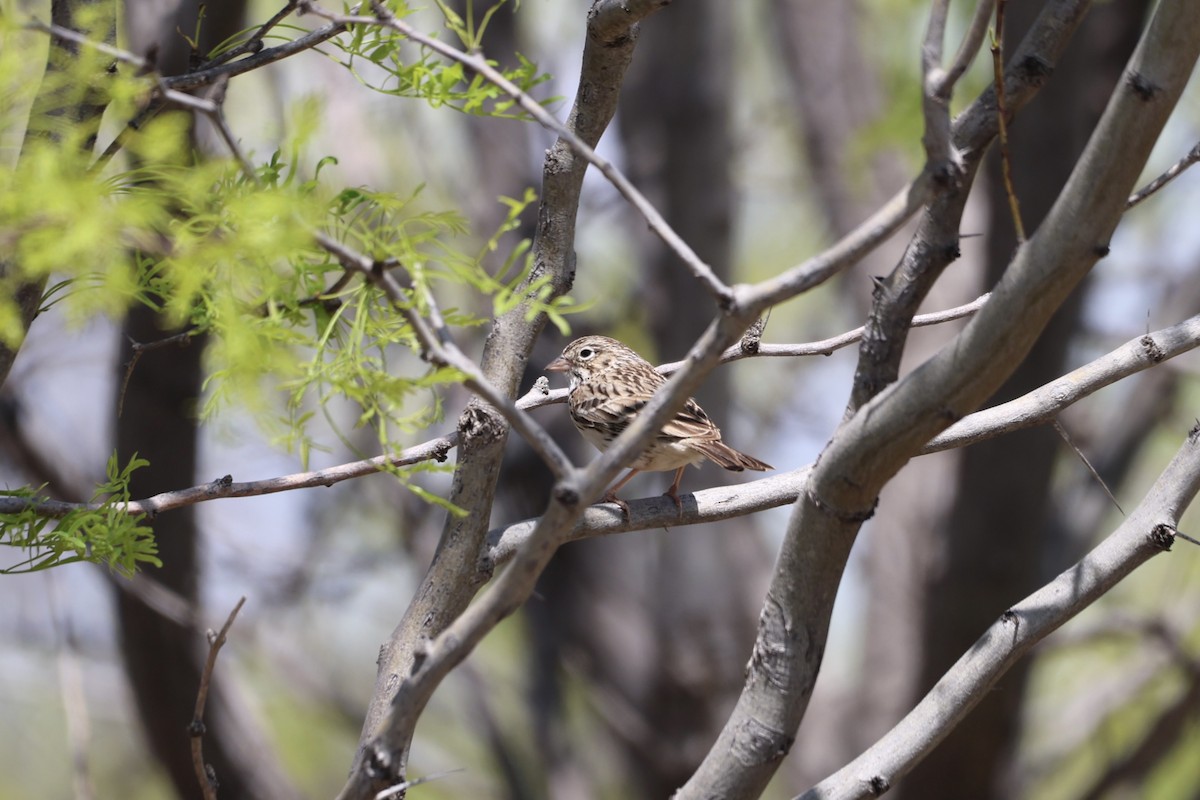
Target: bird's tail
<point>725,456</point>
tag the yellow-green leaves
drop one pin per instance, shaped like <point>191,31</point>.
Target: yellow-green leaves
<point>103,534</point>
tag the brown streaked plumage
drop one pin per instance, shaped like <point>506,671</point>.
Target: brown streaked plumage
<point>610,384</point>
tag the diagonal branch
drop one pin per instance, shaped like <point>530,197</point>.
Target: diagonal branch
<point>1044,403</point>
<point>1171,174</point>
<point>1148,531</point>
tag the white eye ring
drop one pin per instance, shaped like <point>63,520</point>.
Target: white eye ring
<point>586,353</point>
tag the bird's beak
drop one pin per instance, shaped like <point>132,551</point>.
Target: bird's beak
<point>558,365</point>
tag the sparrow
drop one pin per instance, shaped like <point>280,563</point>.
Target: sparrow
<point>610,384</point>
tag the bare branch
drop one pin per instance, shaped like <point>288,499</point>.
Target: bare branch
<point>969,48</point>
<point>825,347</point>
<point>1148,531</point>
<point>209,75</point>
<point>254,44</point>
<point>1002,122</point>
<point>196,728</point>
<point>935,101</point>
<point>707,505</point>
<point>435,449</point>
<point>1162,180</point>
<point>1046,402</point>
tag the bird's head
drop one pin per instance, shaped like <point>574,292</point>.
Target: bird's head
<point>592,356</point>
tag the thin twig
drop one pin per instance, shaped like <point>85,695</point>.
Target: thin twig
<point>1162,180</point>
<point>196,728</point>
<point>969,48</point>
<point>160,88</point>
<point>1062,432</point>
<point>217,117</point>
<point>392,791</point>
<point>254,44</point>
<point>1002,123</point>
<point>138,350</point>
<point>435,450</point>
<point>149,112</point>
<point>825,347</point>
<point>206,76</point>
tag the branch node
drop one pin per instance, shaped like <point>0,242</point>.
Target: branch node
<point>1037,69</point>
<point>1162,536</point>
<point>377,764</point>
<point>566,495</point>
<point>849,517</point>
<point>1151,349</point>
<point>1143,87</point>
<point>752,338</point>
<point>878,785</point>
<point>1101,250</point>
<point>479,423</point>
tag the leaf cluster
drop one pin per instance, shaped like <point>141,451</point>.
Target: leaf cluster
<point>102,534</point>
<point>233,256</point>
<point>386,62</point>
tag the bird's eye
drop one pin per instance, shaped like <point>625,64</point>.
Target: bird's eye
<point>586,353</point>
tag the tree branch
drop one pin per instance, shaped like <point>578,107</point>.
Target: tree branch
<point>435,449</point>
<point>1148,531</point>
<point>1171,174</point>
<point>196,728</point>
<point>1044,403</point>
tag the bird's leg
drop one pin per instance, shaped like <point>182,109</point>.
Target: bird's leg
<point>673,492</point>
<point>611,495</point>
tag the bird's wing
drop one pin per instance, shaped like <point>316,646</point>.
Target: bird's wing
<point>692,423</point>
<point>610,411</point>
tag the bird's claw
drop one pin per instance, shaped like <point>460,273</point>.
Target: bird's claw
<point>612,498</point>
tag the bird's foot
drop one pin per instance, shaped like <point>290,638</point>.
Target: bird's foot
<point>673,493</point>
<point>611,497</point>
